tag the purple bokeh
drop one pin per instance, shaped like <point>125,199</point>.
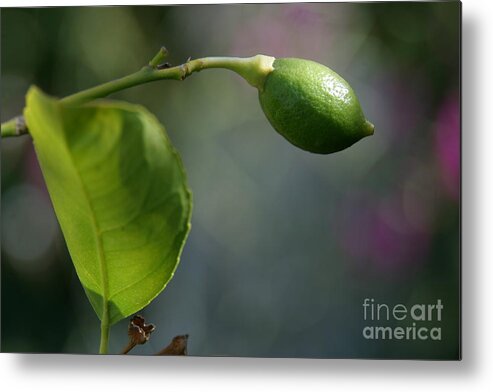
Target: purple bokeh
<point>378,237</point>
<point>447,145</point>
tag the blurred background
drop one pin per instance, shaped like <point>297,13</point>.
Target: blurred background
<point>285,245</point>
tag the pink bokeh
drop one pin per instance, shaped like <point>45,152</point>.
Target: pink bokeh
<point>380,241</point>
<point>447,145</point>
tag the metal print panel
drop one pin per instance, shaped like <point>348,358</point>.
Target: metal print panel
<point>251,180</point>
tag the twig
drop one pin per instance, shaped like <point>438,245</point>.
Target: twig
<point>138,333</point>
<point>253,69</point>
<point>178,346</point>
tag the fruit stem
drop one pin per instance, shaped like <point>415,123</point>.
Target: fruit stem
<point>253,69</point>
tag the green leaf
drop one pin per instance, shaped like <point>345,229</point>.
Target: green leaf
<point>120,194</point>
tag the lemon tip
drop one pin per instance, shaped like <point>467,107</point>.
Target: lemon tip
<point>369,128</point>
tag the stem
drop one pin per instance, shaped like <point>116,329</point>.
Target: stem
<point>14,127</point>
<point>253,69</point>
<point>128,348</point>
<point>105,335</point>
<point>159,57</point>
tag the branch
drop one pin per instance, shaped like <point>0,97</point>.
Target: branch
<point>253,69</point>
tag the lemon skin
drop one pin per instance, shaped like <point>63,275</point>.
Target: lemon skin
<point>312,106</point>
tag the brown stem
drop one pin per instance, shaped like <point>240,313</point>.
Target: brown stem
<point>128,348</point>
<point>178,346</point>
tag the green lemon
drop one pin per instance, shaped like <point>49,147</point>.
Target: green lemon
<point>312,106</point>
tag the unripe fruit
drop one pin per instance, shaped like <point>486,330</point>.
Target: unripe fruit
<point>312,106</point>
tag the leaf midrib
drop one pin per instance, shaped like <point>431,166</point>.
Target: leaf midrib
<point>99,240</point>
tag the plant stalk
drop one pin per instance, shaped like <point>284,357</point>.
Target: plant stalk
<point>253,69</point>
<point>105,336</point>
<point>128,348</point>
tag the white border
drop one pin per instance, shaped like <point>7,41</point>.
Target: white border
<point>474,373</point>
